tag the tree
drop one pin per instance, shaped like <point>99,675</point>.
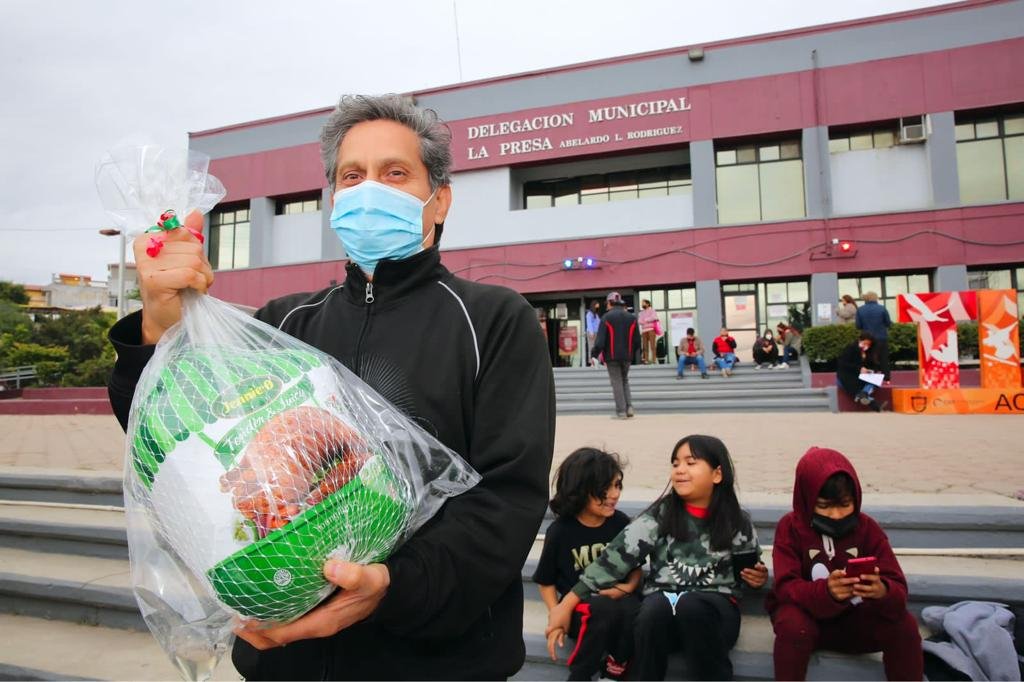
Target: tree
<point>15,293</point>
<point>83,333</point>
<point>15,327</point>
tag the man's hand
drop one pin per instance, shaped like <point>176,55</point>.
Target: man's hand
<point>756,577</point>
<point>839,586</point>
<point>362,588</point>
<point>871,586</point>
<point>180,264</point>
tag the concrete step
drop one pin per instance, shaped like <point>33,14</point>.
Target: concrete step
<point>961,527</point>
<point>743,367</point>
<point>56,406</point>
<point>64,487</point>
<point>687,393</point>
<point>99,531</point>
<point>68,587</point>
<point>745,403</point>
<point>41,649</point>
<point>689,386</point>
<point>669,372</point>
<point>69,392</point>
<point>82,531</point>
<point>39,579</point>
<point>751,657</point>
<point>932,580</point>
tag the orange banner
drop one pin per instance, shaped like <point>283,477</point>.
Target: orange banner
<point>958,401</point>
<point>999,339</point>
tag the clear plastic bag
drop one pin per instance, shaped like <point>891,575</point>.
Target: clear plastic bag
<point>137,183</point>
<point>251,458</point>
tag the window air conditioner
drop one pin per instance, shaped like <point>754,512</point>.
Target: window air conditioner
<point>912,133</point>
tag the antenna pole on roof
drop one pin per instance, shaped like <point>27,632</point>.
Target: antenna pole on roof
<point>458,46</point>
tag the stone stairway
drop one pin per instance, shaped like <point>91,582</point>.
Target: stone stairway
<point>64,583</point>
<point>655,388</point>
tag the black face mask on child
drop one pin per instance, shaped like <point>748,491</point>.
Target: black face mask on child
<point>834,528</point>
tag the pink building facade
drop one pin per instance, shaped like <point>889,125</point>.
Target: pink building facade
<point>739,183</point>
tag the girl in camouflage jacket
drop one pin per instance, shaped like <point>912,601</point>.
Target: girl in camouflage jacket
<point>691,535</point>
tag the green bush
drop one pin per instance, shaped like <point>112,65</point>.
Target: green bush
<point>50,373</point>
<point>903,341</point>
<point>967,339</point>
<point>70,349</point>
<point>92,372</point>
<point>824,344</point>
<point>22,354</point>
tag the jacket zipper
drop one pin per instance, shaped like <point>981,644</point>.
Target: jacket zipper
<point>362,332</point>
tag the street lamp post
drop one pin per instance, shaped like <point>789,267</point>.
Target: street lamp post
<point>110,232</point>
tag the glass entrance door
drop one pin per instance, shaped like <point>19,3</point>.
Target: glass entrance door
<point>561,322</point>
<point>740,310</point>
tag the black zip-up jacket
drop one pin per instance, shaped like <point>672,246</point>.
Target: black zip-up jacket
<point>618,336</point>
<point>467,362</point>
<point>849,363</point>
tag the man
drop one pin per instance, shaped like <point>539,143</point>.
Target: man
<point>618,337</point>
<point>449,603</point>
<point>724,348</point>
<point>691,352</point>
<point>874,318</point>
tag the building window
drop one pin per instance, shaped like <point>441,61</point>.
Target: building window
<point>305,204</point>
<point>990,157</point>
<point>888,287</point>
<point>601,189</point>
<point>1006,278</point>
<point>760,181</point>
<point>877,136</point>
<point>229,239</point>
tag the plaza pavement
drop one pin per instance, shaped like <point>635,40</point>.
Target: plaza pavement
<point>901,459</point>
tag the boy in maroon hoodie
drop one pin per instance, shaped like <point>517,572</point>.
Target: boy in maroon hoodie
<point>813,604</point>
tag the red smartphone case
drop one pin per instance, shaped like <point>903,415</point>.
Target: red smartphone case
<point>861,566</point>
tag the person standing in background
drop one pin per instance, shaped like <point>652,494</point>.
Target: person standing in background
<point>846,311</point>
<point>873,317</point>
<point>618,337</point>
<point>648,319</point>
<point>593,322</point>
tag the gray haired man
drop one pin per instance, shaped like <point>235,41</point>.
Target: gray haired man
<point>465,360</point>
<point>618,340</point>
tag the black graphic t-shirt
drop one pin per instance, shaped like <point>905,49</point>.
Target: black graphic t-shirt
<point>569,547</point>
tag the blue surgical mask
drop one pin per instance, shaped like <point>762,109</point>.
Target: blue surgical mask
<point>375,222</point>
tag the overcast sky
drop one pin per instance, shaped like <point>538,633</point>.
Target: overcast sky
<point>78,76</point>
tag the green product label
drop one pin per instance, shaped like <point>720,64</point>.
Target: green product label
<point>203,387</point>
<point>235,440</point>
<point>250,396</point>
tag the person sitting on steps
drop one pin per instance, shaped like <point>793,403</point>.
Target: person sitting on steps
<point>766,351</point>
<point>691,352</point>
<point>724,348</point>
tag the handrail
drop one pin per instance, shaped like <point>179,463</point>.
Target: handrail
<point>17,374</point>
